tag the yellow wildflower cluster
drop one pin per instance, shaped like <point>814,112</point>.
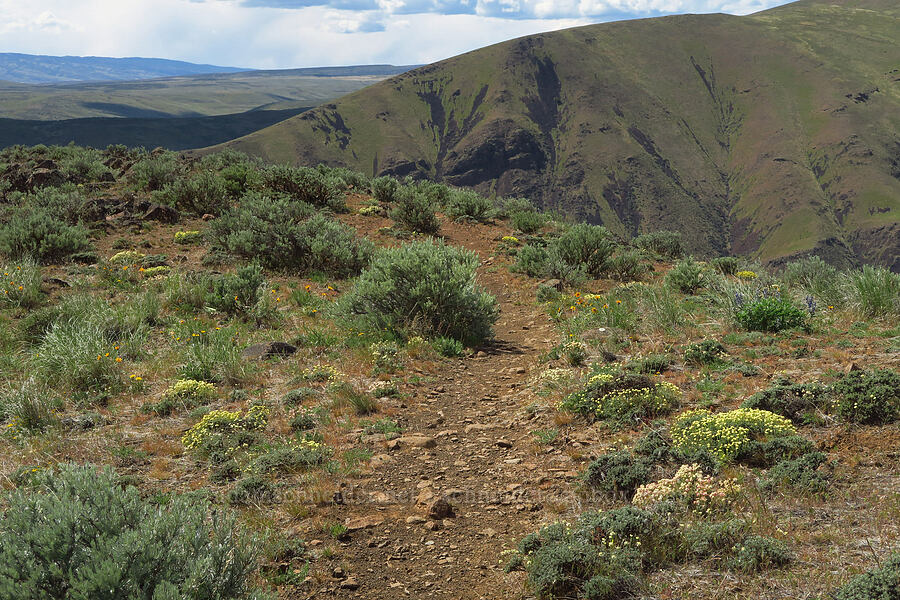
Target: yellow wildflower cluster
<point>187,237</point>
<point>726,435</point>
<point>220,422</point>
<point>657,399</point>
<point>152,272</point>
<point>692,489</point>
<point>127,257</point>
<point>746,275</point>
<point>510,239</point>
<point>191,390</point>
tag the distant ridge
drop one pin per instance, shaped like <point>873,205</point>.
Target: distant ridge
<point>33,68</point>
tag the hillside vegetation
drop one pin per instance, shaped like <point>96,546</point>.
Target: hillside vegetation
<point>224,379</point>
<point>773,135</point>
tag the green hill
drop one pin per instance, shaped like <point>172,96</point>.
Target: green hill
<point>773,134</point>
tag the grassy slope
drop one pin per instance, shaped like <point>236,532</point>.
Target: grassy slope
<point>204,95</point>
<point>738,130</point>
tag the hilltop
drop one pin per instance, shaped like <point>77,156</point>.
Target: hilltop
<point>271,382</point>
<point>773,135</point>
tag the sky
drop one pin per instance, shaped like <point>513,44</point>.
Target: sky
<point>274,34</point>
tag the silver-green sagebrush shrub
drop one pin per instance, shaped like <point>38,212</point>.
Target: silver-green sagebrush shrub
<point>76,532</point>
<point>426,288</point>
<point>414,211</point>
<point>287,235</point>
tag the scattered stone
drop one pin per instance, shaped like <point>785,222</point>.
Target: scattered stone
<point>362,523</point>
<point>46,177</point>
<point>338,573</point>
<point>349,584</point>
<point>161,213</point>
<point>265,350</point>
<point>433,525</point>
<point>416,441</point>
<point>415,520</point>
<point>477,427</point>
<point>503,443</point>
<point>852,367</point>
<point>440,509</point>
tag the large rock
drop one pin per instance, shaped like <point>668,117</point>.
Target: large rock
<point>46,177</point>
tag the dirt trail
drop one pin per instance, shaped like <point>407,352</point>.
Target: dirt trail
<point>481,456</point>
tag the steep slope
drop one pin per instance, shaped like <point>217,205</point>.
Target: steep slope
<point>774,134</point>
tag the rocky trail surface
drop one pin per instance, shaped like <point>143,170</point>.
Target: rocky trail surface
<point>465,481</point>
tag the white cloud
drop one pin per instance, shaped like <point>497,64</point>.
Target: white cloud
<point>294,33</point>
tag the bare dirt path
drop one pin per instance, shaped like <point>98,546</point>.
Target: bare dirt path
<point>468,439</point>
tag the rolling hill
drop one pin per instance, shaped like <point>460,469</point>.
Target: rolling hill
<point>35,68</point>
<point>772,135</point>
<point>188,96</point>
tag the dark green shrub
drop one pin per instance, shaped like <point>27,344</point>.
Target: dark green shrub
<point>75,532</point>
<point>384,188</point>
<point>686,276</point>
<point>618,473</point>
<point>448,347</point>
<point>584,247</point>
<point>627,265</point>
<point>801,474</point>
<point>650,364</point>
<point>281,234</point>
<point>623,397</point>
<point>881,583</point>
<point>703,539</point>
<point>527,221</point>
<point>758,553</point>
<point>468,204</point>
<point>770,314</point>
<point>304,184</point>
<point>252,490</point>
<point>656,444</point>
<point>726,265</point>
<point>602,556</point>
<point>532,261</point>
<point>299,396</point>
<point>414,211</point>
<point>236,293</point>
<point>200,194</point>
<point>304,420</point>
<point>707,352</point>
<point>798,402</point>
<point>38,235</point>
<point>155,172</point>
<point>868,397</point>
<point>664,243</point>
<point>289,458</point>
<point>239,179</point>
<point>425,287</point>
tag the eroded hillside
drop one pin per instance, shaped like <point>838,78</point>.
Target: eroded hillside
<point>773,135</point>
